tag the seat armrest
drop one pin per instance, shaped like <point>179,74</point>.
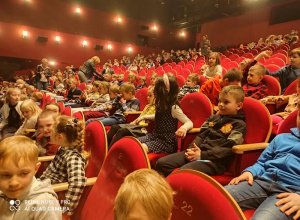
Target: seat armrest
<point>64,186</point>
<point>132,113</point>
<point>240,149</point>
<point>46,158</point>
<point>30,130</point>
<point>194,130</point>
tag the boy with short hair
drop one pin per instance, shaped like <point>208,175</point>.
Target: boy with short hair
<point>211,149</point>
<point>120,79</point>
<point>289,73</point>
<point>271,185</point>
<point>212,87</point>
<point>128,104</point>
<point>254,87</point>
<point>142,83</point>
<point>22,196</point>
<point>191,85</point>
<point>73,91</point>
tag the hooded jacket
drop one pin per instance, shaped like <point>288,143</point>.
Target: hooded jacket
<point>38,202</point>
<point>280,161</point>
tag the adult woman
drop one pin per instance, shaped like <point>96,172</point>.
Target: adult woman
<point>43,72</point>
<point>205,45</point>
<point>88,69</point>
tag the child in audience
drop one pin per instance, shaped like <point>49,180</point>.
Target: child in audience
<point>247,63</point>
<point>163,139</point>
<point>137,128</point>
<point>289,73</point>
<point>69,163</point>
<point>92,96</point>
<point>107,77</point>
<point>114,79</point>
<point>73,91</point>
<point>211,88</point>
<point>120,79</point>
<point>271,185</point>
<point>37,97</point>
<point>291,101</point>
<point>129,104</point>
<point>58,84</point>
<point>104,92</point>
<point>153,78</point>
<point>29,91</point>
<point>254,87</point>
<point>142,83</point>
<point>11,113</point>
<point>191,85</point>
<point>133,66</point>
<point>104,109</point>
<point>211,150</point>
<point>53,106</point>
<point>214,66</point>
<point>30,112</point>
<point>144,195</point>
<point>132,78</point>
<point>18,164</point>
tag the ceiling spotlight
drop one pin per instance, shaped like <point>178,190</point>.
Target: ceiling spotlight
<point>182,33</point>
<point>25,34</point>
<point>57,39</point>
<point>155,27</point>
<point>129,49</point>
<point>78,10</point>
<point>109,47</point>
<point>119,20</point>
<point>84,43</point>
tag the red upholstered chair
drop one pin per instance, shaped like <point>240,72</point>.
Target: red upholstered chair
<point>78,115</point>
<point>95,142</point>
<point>167,68</point>
<point>185,73</point>
<point>233,57</point>
<point>202,80</point>
<point>180,80</point>
<point>173,71</point>
<point>82,86</point>
<point>274,89</point>
<point>239,59</point>
<point>259,127</point>
<point>141,95</point>
<point>66,111</point>
<point>125,156</point>
<point>280,56</point>
<point>160,72</point>
<point>230,65</point>
<point>248,55</point>
<point>62,106</point>
<point>284,52</point>
<point>225,60</point>
<point>190,105</point>
<point>198,196</point>
<point>189,66</point>
<point>178,69</point>
<point>288,123</point>
<point>277,61</point>
<point>173,64</point>
<point>272,67</point>
<point>291,89</point>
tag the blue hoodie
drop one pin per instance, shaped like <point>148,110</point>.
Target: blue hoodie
<point>280,161</point>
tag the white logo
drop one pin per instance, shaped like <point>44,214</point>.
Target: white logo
<point>14,205</point>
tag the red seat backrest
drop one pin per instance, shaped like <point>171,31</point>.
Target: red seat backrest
<point>291,89</point>
<point>180,80</point>
<point>288,123</point>
<point>198,196</point>
<point>125,156</point>
<point>272,84</point>
<point>141,95</point>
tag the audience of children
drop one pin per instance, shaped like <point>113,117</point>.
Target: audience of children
<point>137,128</point>
<point>191,85</point>
<point>18,165</point>
<point>164,137</point>
<point>69,163</point>
<point>210,151</point>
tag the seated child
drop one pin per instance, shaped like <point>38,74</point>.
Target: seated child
<point>214,66</point>
<point>114,79</point>
<point>191,85</point>
<point>142,83</point>
<point>271,185</point>
<point>99,110</point>
<point>289,73</point>
<point>291,101</point>
<point>153,78</point>
<point>211,88</point>
<point>210,151</point>
<point>53,106</point>
<point>73,91</point>
<point>254,87</point>
<point>107,77</point>
<point>69,163</point>
<point>132,78</point>
<point>30,112</point>
<point>151,197</point>
<point>104,94</point>
<point>120,79</point>
<point>37,97</point>
<point>18,164</point>
<point>86,96</point>
<point>136,128</point>
<point>29,91</point>
<point>129,104</point>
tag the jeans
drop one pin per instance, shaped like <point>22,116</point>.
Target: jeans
<point>108,120</point>
<point>262,197</point>
<point>42,85</point>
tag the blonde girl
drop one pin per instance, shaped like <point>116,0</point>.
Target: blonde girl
<point>214,66</point>
<point>11,113</point>
<point>69,163</point>
<point>30,112</point>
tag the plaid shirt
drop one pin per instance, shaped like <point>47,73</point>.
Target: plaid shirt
<point>258,91</point>
<point>68,166</point>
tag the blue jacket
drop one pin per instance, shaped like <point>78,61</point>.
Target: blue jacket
<point>280,161</point>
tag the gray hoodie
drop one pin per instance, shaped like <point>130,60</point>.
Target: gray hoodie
<point>38,202</point>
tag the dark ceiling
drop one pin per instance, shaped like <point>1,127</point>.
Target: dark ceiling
<point>186,14</point>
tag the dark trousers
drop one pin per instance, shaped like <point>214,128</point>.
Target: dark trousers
<point>166,165</point>
<point>116,133</point>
